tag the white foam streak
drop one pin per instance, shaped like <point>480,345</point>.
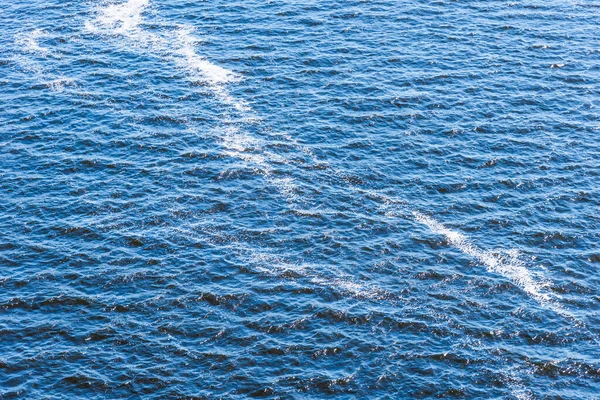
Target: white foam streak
<point>509,267</point>
<point>215,74</point>
<point>30,42</point>
<point>175,44</point>
<point>178,45</point>
<point>274,265</point>
<point>58,85</point>
<point>124,17</point>
<point>28,48</point>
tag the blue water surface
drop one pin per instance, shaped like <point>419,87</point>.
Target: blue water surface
<point>299,199</point>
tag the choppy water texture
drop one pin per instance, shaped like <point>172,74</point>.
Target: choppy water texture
<point>299,199</point>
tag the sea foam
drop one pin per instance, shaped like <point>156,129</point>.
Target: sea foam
<point>508,266</point>
<point>121,18</point>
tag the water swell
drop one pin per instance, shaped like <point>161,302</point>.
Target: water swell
<point>248,209</point>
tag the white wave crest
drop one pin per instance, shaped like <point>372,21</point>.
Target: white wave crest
<point>176,44</point>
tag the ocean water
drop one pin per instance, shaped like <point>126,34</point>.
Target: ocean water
<point>299,199</point>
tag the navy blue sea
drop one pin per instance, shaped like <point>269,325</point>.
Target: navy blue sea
<point>299,199</point>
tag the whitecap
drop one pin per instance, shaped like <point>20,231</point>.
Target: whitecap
<point>59,84</point>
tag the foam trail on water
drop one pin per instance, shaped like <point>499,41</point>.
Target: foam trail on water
<point>31,43</point>
<point>510,268</point>
<point>508,265</point>
<point>177,45</point>
<point>279,266</point>
<point>216,75</point>
<point>29,55</point>
<point>124,17</point>
<point>28,44</point>
<point>336,280</point>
